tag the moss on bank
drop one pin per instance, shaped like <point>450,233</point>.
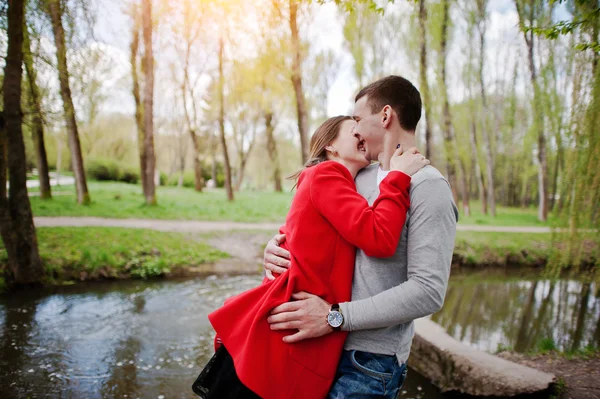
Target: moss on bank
<point>89,253</point>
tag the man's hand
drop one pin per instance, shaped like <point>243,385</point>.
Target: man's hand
<point>276,259</point>
<point>307,314</point>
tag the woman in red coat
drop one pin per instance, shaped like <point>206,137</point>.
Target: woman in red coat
<point>327,221</point>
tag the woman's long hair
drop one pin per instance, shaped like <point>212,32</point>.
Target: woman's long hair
<point>324,135</point>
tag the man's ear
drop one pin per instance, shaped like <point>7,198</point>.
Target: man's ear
<point>386,116</point>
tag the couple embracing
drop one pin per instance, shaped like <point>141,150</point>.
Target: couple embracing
<point>366,249</point>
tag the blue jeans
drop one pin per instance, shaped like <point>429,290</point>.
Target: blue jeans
<point>367,375</point>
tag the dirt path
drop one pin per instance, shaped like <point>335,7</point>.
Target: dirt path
<point>207,226</point>
<point>578,378</point>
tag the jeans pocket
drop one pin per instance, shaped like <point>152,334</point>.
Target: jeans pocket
<point>373,365</point>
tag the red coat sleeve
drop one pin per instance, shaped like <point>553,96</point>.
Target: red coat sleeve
<point>374,229</point>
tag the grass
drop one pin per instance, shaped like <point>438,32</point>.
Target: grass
<point>522,249</point>
<point>505,216</point>
<point>106,252</point>
<point>547,346</point>
<point>121,200</point>
<point>502,248</point>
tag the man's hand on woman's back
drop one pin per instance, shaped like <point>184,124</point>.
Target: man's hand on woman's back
<point>276,259</point>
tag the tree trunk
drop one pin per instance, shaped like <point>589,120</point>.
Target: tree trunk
<point>491,192</point>
<point>139,107</point>
<point>272,149</point>
<point>36,121</point>
<point>423,77</point>
<point>449,139</point>
<point>297,82</point>
<point>16,219</point>
<point>198,179</point>
<point>228,183</point>
<point>148,69</point>
<point>478,174</point>
<point>55,10</point>
<point>538,118</point>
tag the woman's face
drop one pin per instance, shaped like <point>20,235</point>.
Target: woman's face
<point>348,146</point>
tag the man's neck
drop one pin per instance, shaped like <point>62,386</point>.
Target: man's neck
<point>391,141</point>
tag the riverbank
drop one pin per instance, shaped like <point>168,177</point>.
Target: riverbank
<point>578,376</point>
<point>94,253</point>
<point>494,249</point>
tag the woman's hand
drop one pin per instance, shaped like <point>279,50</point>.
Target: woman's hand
<point>409,162</point>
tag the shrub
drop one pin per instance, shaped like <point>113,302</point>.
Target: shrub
<point>110,170</point>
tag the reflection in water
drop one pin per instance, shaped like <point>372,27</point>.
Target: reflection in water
<point>518,309</point>
<point>151,338</point>
<point>134,339</point>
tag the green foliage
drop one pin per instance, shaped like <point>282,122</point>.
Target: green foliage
<point>103,169</point>
<point>88,253</point>
<point>503,348</point>
<point>546,345</point>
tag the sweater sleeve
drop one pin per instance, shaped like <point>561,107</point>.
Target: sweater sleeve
<point>430,243</point>
<point>374,229</point>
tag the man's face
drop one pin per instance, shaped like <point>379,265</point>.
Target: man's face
<point>369,128</point>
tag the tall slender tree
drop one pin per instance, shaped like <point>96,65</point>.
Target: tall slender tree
<point>296,77</point>
<point>135,89</point>
<point>481,18</point>
<point>16,218</point>
<point>55,11</point>
<point>221,89</point>
<point>148,69</point>
<point>190,34</point>
<point>529,11</point>
<point>37,120</point>
<point>423,82</point>
<point>452,157</point>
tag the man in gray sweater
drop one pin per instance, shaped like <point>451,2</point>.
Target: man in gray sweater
<point>387,294</point>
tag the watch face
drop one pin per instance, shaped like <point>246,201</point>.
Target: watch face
<point>335,319</point>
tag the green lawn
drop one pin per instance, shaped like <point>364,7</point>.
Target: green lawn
<point>121,200</point>
<point>504,216</point>
<point>92,252</point>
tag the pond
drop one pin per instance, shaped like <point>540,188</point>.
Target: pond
<point>150,339</point>
<point>519,310</point>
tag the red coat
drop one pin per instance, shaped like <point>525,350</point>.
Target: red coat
<point>328,219</point>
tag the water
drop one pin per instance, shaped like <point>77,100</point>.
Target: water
<point>518,309</point>
<point>129,339</point>
<point>150,339</point>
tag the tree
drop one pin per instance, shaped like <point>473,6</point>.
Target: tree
<point>188,34</point>
<point>481,24</point>
<point>296,77</point>
<point>148,69</point>
<point>221,90</point>
<point>55,11</point>
<point>16,219</point>
<point>529,11</point>
<point>37,120</point>
<point>423,83</point>
<point>135,90</point>
<point>449,137</point>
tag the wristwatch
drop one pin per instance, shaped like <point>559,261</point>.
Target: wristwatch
<point>335,318</point>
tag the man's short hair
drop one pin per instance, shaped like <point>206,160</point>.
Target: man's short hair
<point>398,93</point>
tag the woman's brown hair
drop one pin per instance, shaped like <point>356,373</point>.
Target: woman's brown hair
<point>323,136</point>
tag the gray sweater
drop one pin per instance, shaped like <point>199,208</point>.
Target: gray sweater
<point>388,294</point>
